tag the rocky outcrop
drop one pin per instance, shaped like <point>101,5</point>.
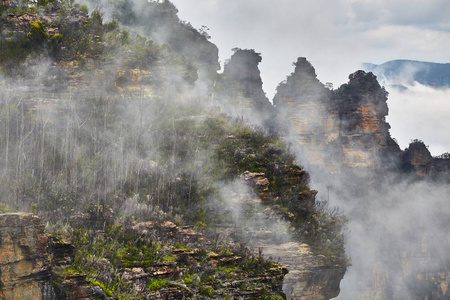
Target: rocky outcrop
<point>417,160</point>
<point>364,132</point>
<point>198,270</point>
<point>160,22</point>
<point>307,112</point>
<point>312,277</point>
<point>25,269</point>
<point>27,257</point>
<point>240,91</point>
<point>338,129</point>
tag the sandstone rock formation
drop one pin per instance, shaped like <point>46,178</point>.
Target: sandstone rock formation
<point>338,129</point>
<point>25,269</point>
<point>417,160</point>
<point>26,260</point>
<point>240,91</point>
<point>307,112</point>
<point>364,132</point>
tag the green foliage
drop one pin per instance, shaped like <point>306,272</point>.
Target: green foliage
<point>5,208</point>
<point>37,34</point>
<point>124,12</point>
<point>84,9</point>
<point>156,284</point>
<point>105,289</point>
<point>169,257</point>
<point>13,52</point>
<point>143,53</point>
<point>207,290</point>
<point>45,2</point>
<point>34,207</point>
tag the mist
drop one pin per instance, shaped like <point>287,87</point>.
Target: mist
<point>394,234</point>
<point>420,112</point>
<point>140,135</point>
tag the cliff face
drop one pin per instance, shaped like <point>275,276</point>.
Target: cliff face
<point>267,231</point>
<point>26,260</point>
<point>160,21</point>
<point>364,132</point>
<point>338,129</point>
<point>24,266</point>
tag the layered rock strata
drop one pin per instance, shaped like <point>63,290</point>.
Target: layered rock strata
<point>27,257</point>
<point>25,269</point>
<point>345,128</point>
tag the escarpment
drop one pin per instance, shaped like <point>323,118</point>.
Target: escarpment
<point>346,129</point>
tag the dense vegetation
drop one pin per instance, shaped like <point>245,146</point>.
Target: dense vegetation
<point>102,128</point>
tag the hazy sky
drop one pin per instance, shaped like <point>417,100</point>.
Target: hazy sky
<point>335,36</point>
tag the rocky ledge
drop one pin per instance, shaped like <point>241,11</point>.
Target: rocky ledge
<point>32,267</point>
<point>27,257</point>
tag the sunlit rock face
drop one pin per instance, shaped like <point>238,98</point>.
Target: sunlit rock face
<point>26,260</point>
<point>24,265</point>
<point>345,128</point>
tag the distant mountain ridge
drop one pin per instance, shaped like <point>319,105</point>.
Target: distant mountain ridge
<point>403,71</point>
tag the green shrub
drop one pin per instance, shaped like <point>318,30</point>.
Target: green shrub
<point>37,33</point>
<point>207,290</point>
<point>84,9</point>
<point>156,284</point>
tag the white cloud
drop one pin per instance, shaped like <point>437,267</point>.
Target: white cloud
<point>421,112</point>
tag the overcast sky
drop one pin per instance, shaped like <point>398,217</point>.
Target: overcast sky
<point>335,36</point>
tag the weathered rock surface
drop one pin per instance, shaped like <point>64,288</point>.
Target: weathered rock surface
<point>346,128</point>
<point>417,160</point>
<point>366,141</point>
<point>26,260</point>
<point>25,269</point>
<point>311,277</point>
<point>240,91</point>
<point>338,129</point>
<point>306,110</point>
